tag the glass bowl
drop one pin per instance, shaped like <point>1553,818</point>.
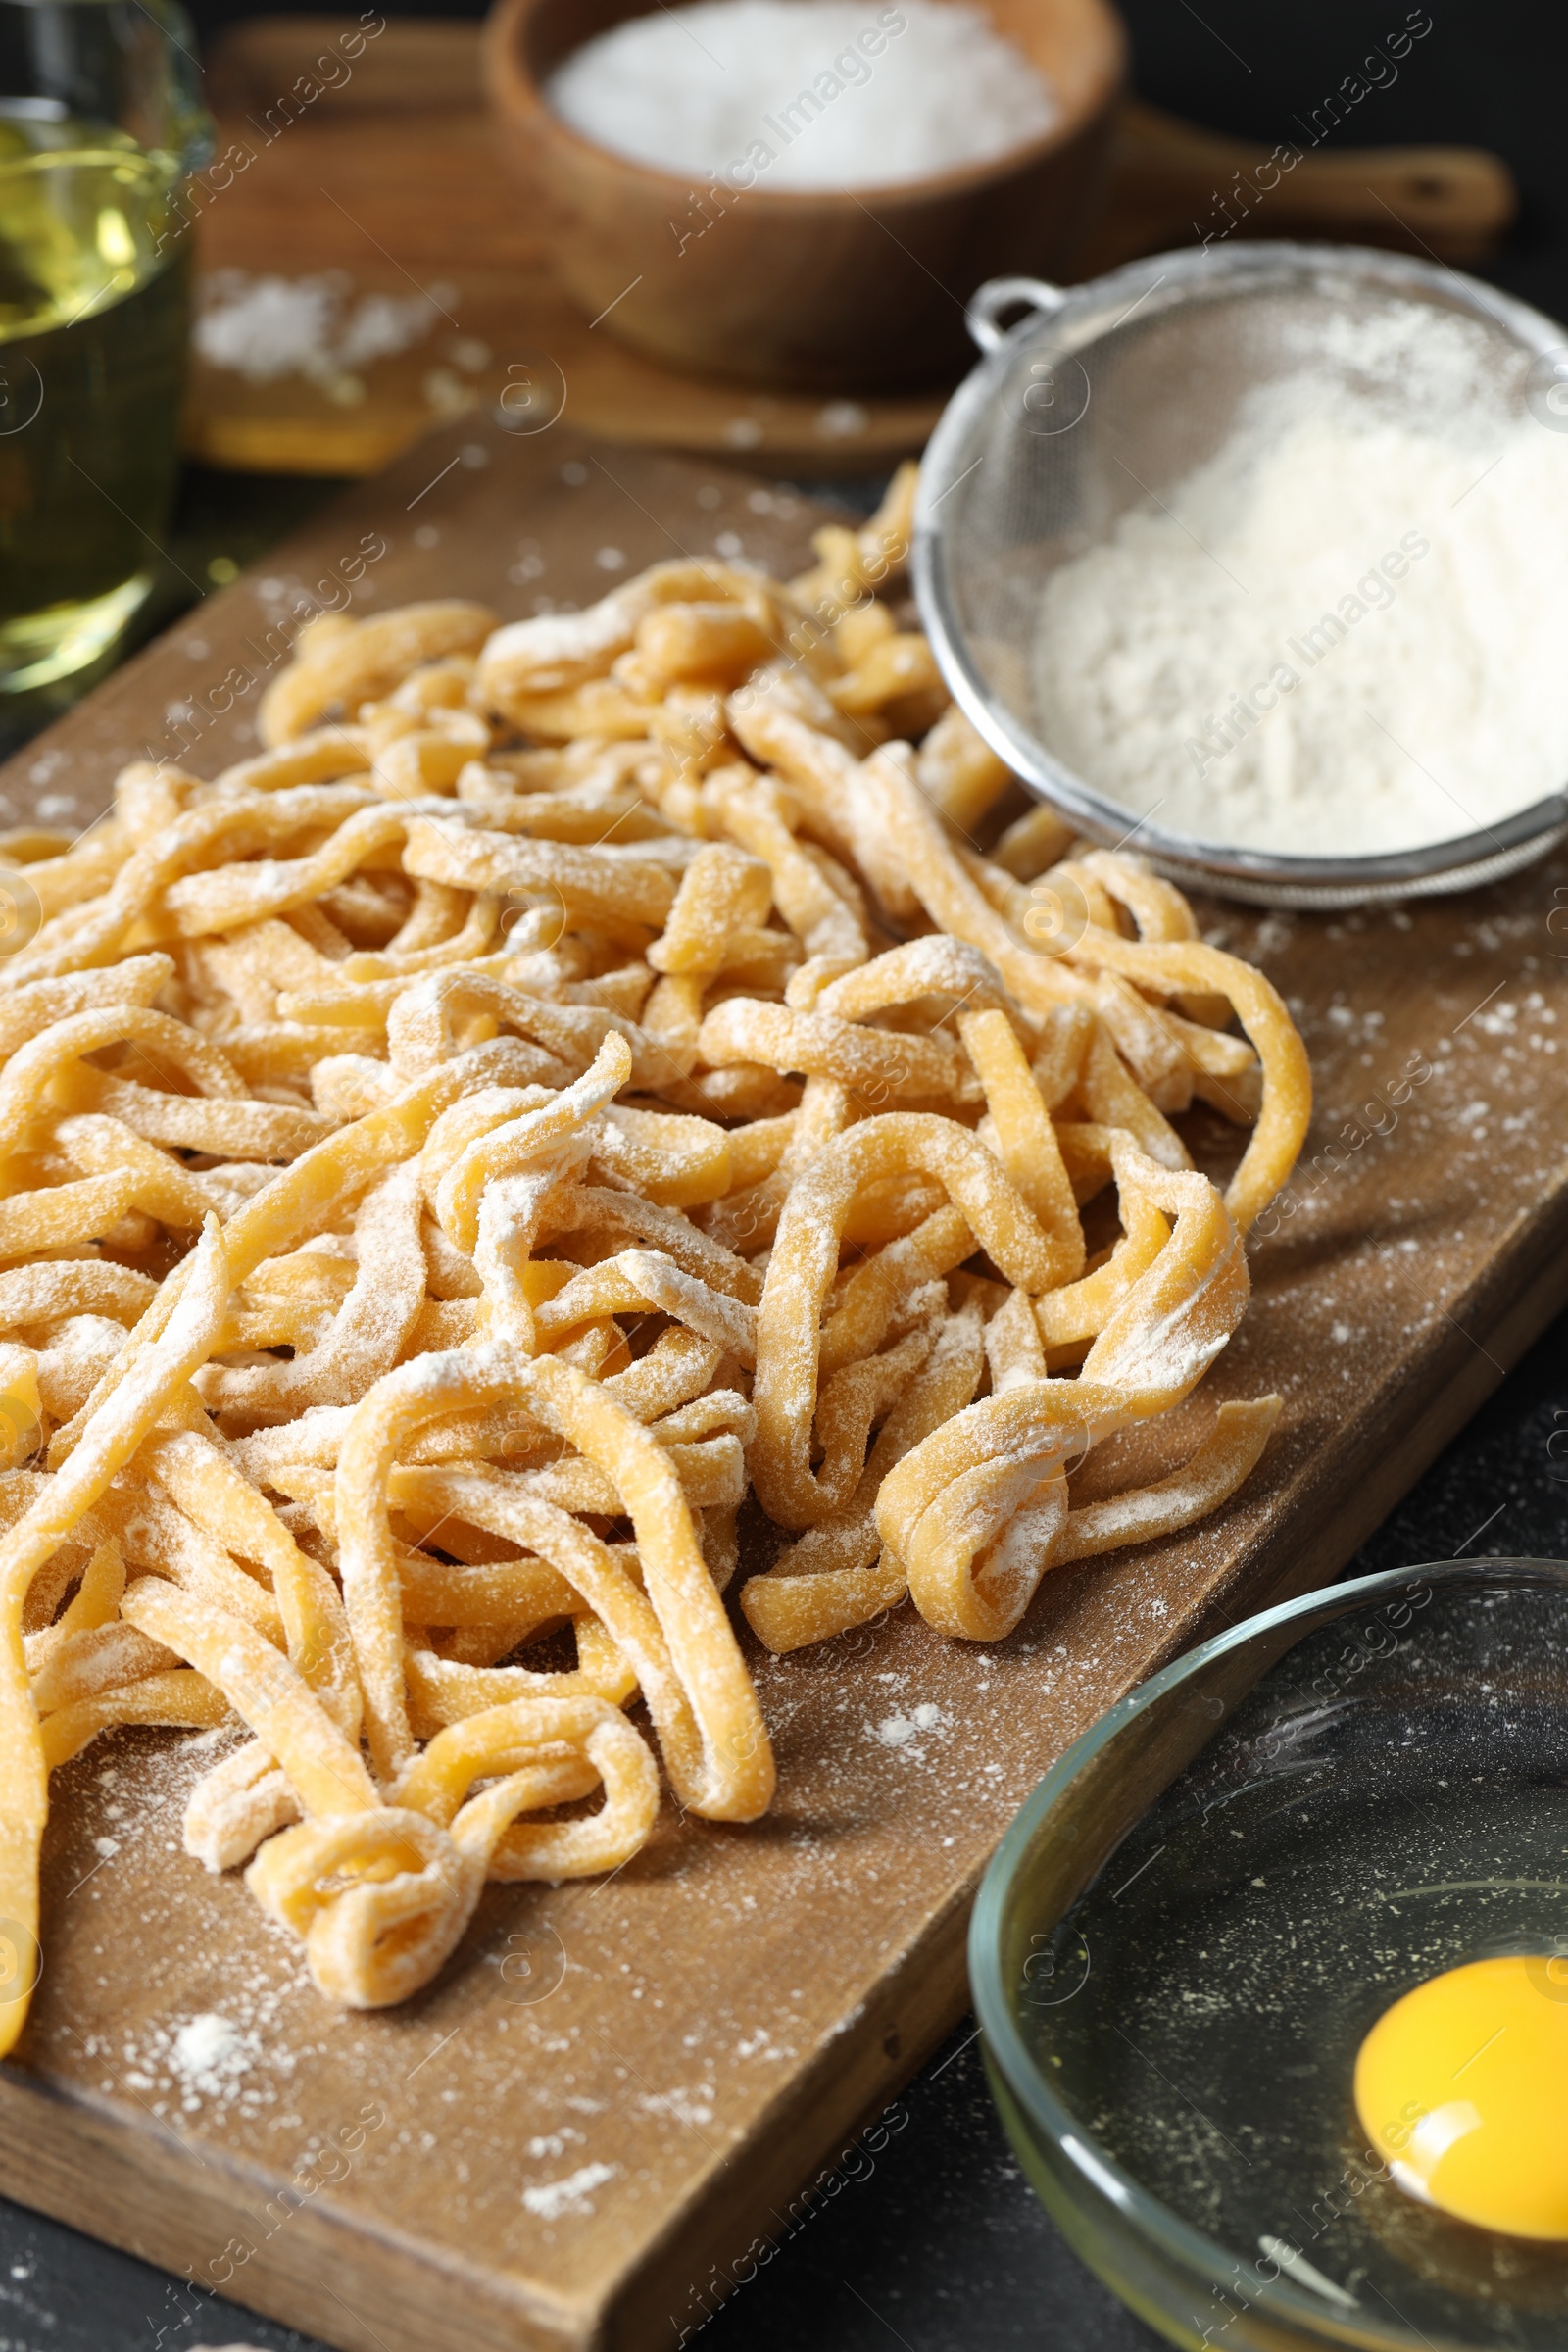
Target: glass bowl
<point>1211,1899</point>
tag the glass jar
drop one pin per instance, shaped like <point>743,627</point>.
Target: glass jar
<point>101,120</point>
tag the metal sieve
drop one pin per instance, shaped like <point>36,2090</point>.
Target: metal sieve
<point>1105,395</point>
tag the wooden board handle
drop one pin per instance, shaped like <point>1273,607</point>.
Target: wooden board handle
<point>1455,202</point>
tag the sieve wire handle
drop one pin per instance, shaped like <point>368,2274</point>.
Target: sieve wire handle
<point>1000,294</point>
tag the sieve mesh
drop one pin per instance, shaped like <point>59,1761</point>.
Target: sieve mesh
<point>1112,393</point>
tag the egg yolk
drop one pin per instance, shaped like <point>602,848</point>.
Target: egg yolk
<point>1463,2090</point>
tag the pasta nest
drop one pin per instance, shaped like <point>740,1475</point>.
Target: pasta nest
<point>578,1079</point>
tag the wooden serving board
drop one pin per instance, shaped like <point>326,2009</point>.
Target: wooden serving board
<point>392,178</point>
<point>574,2140</point>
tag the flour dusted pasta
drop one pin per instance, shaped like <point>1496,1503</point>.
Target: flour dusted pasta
<point>578,1076</point>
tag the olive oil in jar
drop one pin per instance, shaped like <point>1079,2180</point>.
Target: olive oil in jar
<point>94,315</point>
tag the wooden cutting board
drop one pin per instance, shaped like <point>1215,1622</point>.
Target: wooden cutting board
<point>586,2130</point>
<point>391,179</point>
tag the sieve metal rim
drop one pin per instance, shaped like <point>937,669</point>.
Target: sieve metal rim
<point>1071,318</point>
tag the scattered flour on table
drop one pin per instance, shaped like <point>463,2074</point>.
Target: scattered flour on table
<point>211,2053</point>
<point>694,2107</point>
<point>208,2059</point>
<point>266,328</point>
<point>896,1731</point>
<point>551,2201</point>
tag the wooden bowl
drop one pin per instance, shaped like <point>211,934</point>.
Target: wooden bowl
<point>833,290</point>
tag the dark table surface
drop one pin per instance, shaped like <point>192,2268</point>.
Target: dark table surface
<point>935,2241</point>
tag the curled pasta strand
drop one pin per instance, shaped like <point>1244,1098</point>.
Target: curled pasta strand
<point>977,1511</point>
<point>736,1775</point>
<point>551,1751</point>
<point>933,967</point>
<point>236,1807</point>
<point>419,1026</point>
<point>805,1262</point>
<point>338,662</point>
<point>29,1010</point>
<point>1287,1109</point>
<point>1208,1477</point>
<point>446,1691</point>
<point>180,1698</point>
<point>322,1765</point>
<point>839,1573</point>
<point>368,1333</point>
<point>643,1279</point>
<point>108,1440</point>
<point>217,1496</point>
<point>517,1145</point>
<point>93,934</point>
<point>379,1898</point>
<point>872,1063</point>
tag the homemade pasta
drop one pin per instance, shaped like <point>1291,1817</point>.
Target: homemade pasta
<point>579,1079</point>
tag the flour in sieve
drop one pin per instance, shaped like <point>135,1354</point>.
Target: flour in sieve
<point>1342,635</point>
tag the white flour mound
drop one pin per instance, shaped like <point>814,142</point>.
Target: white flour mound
<point>1342,635</point>
<point>804,93</point>
<point>209,2053</point>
